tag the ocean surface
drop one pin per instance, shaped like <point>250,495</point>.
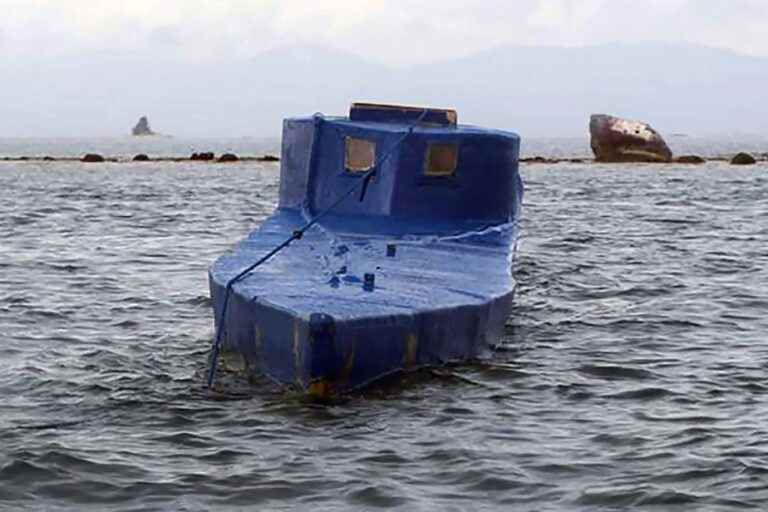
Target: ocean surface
<point>633,373</point>
<point>167,146</point>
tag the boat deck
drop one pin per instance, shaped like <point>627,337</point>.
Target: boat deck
<point>324,271</point>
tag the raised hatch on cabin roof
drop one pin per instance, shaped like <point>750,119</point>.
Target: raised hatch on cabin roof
<point>384,113</point>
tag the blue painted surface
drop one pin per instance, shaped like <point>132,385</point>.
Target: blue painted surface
<point>439,248</point>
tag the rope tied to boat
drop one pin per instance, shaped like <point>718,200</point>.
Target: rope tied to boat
<point>297,234</point>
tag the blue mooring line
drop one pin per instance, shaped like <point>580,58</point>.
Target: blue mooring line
<point>297,234</point>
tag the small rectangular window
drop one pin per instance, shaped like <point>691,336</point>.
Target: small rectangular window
<point>441,160</point>
<point>360,154</point>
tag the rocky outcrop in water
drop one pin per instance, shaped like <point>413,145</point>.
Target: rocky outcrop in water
<point>743,159</point>
<point>620,140</point>
<point>92,157</point>
<point>690,159</point>
<point>141,157</point>
<point>228,157</point>
<point>142,127</point>
<point>203,156</point>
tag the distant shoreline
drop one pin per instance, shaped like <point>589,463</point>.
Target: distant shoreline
<point>272,158</point>
<point>126,160</point>
<point>581,160</point>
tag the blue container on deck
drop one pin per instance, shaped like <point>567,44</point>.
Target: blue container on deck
<point>413,269</point>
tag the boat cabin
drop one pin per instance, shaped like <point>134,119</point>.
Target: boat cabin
<point>442,172</point>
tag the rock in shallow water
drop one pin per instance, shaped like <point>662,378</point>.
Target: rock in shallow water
<point>141,157</point>
<point>690,159</point>
<point>92,157</point>
<point>142,127</point>
<point>620,140</point>
<point>743,159</point>
<point>228,157</point>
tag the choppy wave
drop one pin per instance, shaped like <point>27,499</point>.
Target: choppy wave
<point>633,371</point>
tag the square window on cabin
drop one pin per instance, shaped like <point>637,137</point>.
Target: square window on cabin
<point>360,155</point>
<point>442,160</point>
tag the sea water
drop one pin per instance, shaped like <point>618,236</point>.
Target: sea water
<point>633,372</point>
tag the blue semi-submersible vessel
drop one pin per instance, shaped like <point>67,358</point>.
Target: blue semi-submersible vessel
<point>396,231</point>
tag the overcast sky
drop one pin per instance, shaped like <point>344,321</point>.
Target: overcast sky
<point>392,31</point>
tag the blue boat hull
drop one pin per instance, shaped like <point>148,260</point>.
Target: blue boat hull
<point>307,319</point>
<point>391,249</point>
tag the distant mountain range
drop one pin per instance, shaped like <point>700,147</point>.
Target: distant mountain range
<point>537,91</point>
